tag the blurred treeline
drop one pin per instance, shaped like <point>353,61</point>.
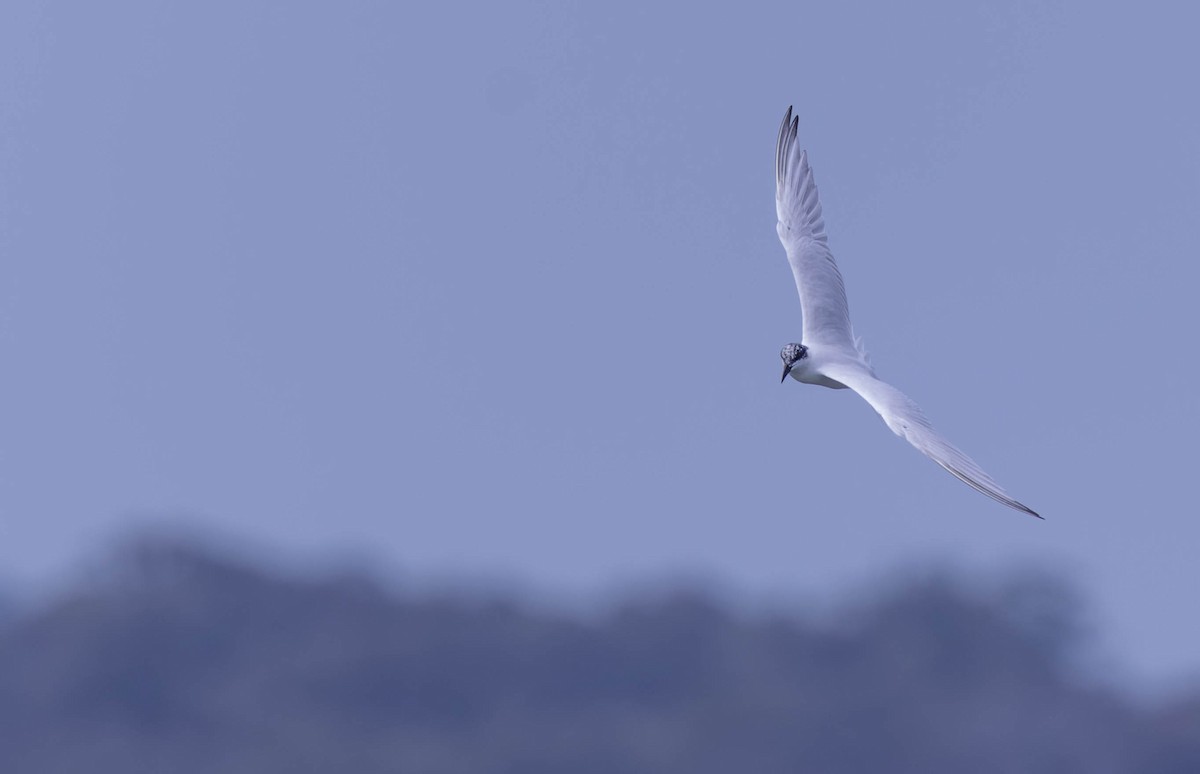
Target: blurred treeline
<point>178,659</point>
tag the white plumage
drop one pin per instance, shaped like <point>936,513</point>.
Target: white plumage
<point>831,355</point>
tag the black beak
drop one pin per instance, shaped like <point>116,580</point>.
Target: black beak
<point>787,369</point>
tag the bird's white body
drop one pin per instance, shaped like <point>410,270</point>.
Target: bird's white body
<point>814,368</point>
<point>830,355</point>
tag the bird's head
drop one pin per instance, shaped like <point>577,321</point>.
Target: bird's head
<point>791,354</point>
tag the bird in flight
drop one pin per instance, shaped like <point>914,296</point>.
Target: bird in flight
<point>831,355</point>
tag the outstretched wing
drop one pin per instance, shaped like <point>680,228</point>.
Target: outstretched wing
<point>802,231</point>
<point>906,420</point>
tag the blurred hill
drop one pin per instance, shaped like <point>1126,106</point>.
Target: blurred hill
<point>180,660</point>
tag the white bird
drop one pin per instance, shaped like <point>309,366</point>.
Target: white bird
<point>831,356</point>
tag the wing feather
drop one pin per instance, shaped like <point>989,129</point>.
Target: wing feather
<point>801,229</point>
<point>906,420</point>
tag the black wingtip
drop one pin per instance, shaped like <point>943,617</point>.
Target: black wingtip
<point>999,497</point>
<point>1022,507</point>
<point>1027,509</point>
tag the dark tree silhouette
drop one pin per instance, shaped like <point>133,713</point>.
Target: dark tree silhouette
<point>176,659</point>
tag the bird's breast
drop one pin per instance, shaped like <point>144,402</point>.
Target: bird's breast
<point>808,371</point>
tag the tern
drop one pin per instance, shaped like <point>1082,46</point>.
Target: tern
<point>830,355</point>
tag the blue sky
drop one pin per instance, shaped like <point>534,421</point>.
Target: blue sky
<point>496,290</point>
